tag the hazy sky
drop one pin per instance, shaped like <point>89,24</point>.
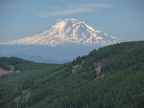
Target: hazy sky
<point>120,18</point>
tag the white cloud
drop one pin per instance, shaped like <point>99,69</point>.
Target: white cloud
<point>64,12</point>
<point>56,10</point>
<point>92,6</point>
<point>75,9</point>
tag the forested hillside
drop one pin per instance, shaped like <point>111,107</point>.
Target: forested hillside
<point>110,77</point>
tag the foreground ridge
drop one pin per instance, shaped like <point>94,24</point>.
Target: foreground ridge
<point>110,77</point>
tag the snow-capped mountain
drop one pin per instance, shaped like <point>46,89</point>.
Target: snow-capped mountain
<point>68,31</point>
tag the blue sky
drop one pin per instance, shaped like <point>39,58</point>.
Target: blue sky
<point>120,18</point>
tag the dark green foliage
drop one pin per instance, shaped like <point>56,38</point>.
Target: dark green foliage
<point>5,66</point>
<point>111,77</point>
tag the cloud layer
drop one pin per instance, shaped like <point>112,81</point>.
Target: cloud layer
<point>75,9</point>
<point>56,10</point>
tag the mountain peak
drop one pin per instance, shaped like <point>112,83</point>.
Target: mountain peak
<point>68,31</point>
